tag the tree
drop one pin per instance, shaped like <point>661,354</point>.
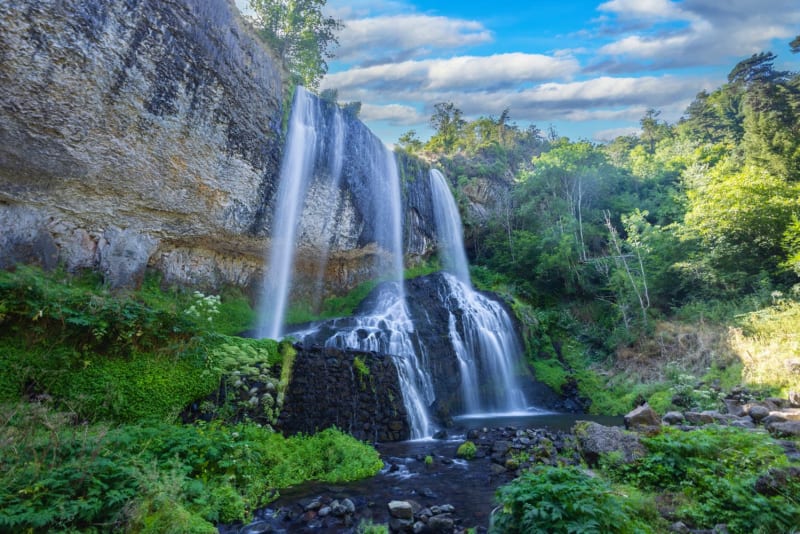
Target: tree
<point>449,124</point>
<point>301,35</point>
<point>410,142</point>
<point>653,130</point>
<point>795,45</point>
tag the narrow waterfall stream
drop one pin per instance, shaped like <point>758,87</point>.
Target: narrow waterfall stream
<point>480,330</point>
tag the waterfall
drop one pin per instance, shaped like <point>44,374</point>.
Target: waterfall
<point>453,347</point>
<point>305,142</point>
<point>316,146</point>
<point>448,228</point>
<point>480,330</point>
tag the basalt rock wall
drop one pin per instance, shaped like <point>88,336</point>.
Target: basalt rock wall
<point>357,392</point>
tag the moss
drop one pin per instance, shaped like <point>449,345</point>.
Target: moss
<point>550,372</point>
<point>467,450</point>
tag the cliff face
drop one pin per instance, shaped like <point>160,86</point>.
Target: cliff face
<point>136,132</point>
<point>146,133</point>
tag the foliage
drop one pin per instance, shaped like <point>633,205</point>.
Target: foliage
<point>467,450</point>
<point>715,469</point>
<point>301,35</point>
<point>155,477</point>
<point>563,499</point>
<point>767,343</point>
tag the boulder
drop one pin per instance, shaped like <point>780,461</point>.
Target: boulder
<point>787,429</point>
<point>642,418</point>
<point>441,524</point>
<point>697,418</point>
<point>673,418</point>
<point>596,441</point>
<point>401,509</point>
<point>776,480</point>
<point>758,413</point>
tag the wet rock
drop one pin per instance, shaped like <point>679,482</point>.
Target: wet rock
<point>673,418</point>
<point>778,402</point>
<point>773,417</point>
<point>501,447</point>
<point>734,407</point>
<point>758,413</point>
<point>314,505</point>
<point>257,527</point>
<point>596,440</point>
<point>401,509</point>
<point>441,524</point>
<point>401,525</point>
<point>324,511</point>
<point>497,469</point>
<point>642,418</point>
<point>679,527</point>
<point>440,434</point>
<point>342,508</point>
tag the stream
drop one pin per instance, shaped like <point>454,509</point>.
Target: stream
<point>464,488</point>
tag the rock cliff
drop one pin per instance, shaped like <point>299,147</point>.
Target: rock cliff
<point>146,133</point>
<point>134,133</point>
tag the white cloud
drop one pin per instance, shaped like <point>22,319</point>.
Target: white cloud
<point>394,113</point>
<point>399,37</point>
<point>700,32</point>
<point>646,9</point>
<point>467,73</point>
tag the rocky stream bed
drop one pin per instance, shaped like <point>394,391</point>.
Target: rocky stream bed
<point>425,487</point>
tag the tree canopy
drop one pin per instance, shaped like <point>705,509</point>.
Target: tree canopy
<point>301,35</point>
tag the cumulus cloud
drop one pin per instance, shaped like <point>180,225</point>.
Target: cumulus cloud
<point>646,9</point>
<point>465,73</point>
<point>700,32</point>
<point>382,39</point>
<point>393,113</point>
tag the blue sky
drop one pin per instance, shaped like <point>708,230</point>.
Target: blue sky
<point>590,68</point>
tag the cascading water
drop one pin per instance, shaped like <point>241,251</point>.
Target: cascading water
<point>480,335</point>
<point>448,228</point>
<point>480,330</point>
<point>386,327</point>
<point>305,141</point>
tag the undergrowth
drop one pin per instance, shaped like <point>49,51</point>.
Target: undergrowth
<point>155,477</point>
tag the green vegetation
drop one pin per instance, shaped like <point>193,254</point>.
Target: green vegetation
<point>154,477</point>
<point>300,34</point>
<point>467,450</point>
<point>91,387</point>
<point>563,500</point>
<point>705,477</point>
<point>656,264</point>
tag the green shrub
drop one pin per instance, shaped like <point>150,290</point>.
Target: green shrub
<point>715,469</point>
<point>155,477</point>
<point>467,450</point>
<point>551,500</point>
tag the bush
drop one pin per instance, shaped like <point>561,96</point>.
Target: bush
<point>551,500</point>
<point>155,477</point>
<point>467,450</point>
<point>715,469</point>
